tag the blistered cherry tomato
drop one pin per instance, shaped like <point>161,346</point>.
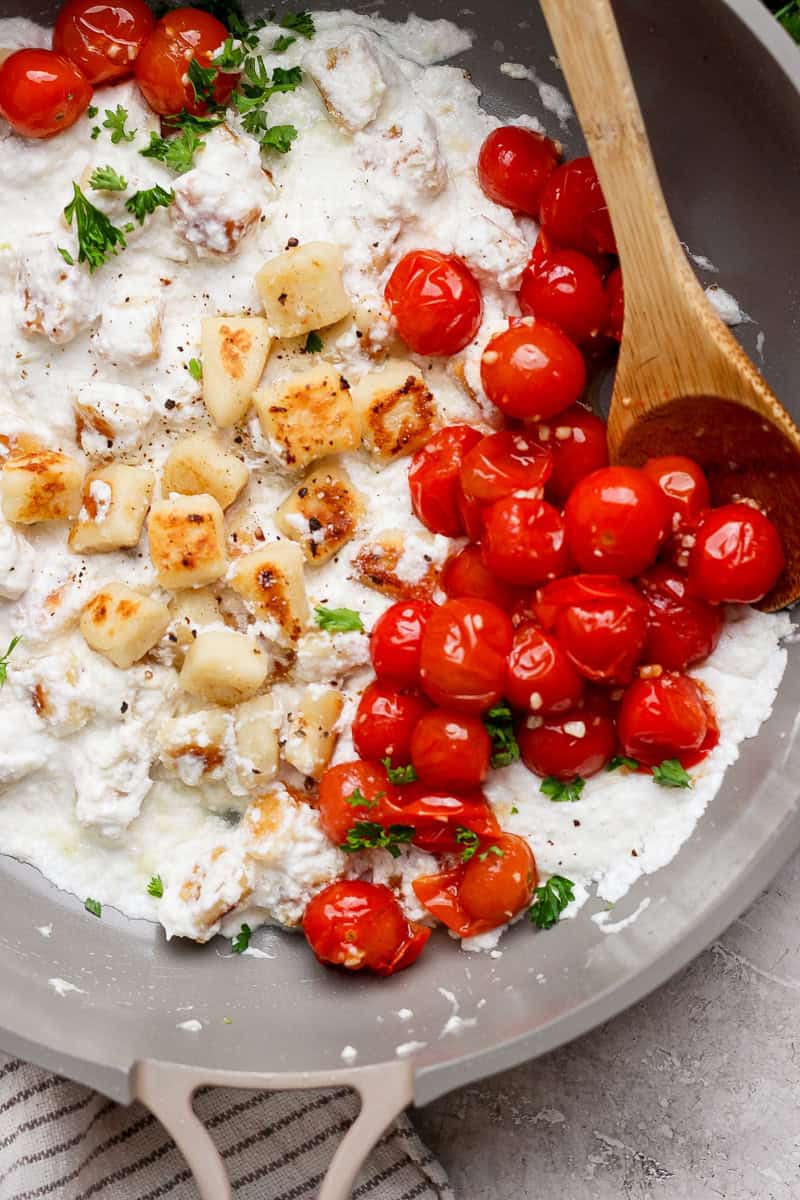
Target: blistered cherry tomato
<point>163,62</point>
<point>395,642</point>
<point>505,462</point>
<point>434,478</point>
<point>540,677</point>
<point>524,542</point>
<point>466,574</point>
<point>600,622</point>
<point>354,924</point>
<point>684,485</point>
<point>463,660</point>
<point>577,743</point>
<point>103,37</point>
<point>616,520</point>
<point>384,722</point>
<point>437,814</point>
<point>350,792</point>
<point>681,628</point>
<point>573,210</point>
<point>42,93</point>
<point>450,749</point>
<point>737,556</point>
<point>435,301</point>
<point>565,288</point>
<point>532,370</point>
<point>514,164</point>
<point>577,440</point>
<point>494,886</point>
<point>615,294</point>
<point>667,716</point>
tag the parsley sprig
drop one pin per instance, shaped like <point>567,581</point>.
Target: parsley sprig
<point>301,23</point>
<point>469,839</point>
<point>202,80</point>
<point>338,620</point>
<point>177,152</point>
<point>98,239</point>
<point>115,123</point>
<point>12,645</point>
<point>156,887</point>
<point>242,940</point>
<point>399,774</point>
<point>550,900</point>
<point>561,791</point>
<point>369,835</point>
<point>499,725</point>
<point>357,799</point>
<point>106,179</point>
<point>671,774</point>
<point>622,760</point>
<point>144,203</point>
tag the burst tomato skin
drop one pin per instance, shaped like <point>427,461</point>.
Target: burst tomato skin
<point>525,541</point>
<point>616,520</point>
<point>463,660</point>
<point>577,440</point>
<point>396,640</point>
<point>341,783</point>
<point>435,301</point>
<point>489,890</point>
<point>359,925</point>
<point>384,722</point>
<point>737,556</point>
<point>667,716</point>
<point>434,478</point>
<point>162,64</point>
<point>466,574</point>
<point>42,93</point>
<point>601,623</point>
<point>540,677</point>
<point>615,294</point>
<point>437,814</point>
<point>514,164</point>
<point>681,628</point>
<point>565,288</point>
<point>103,37</point>
<point>567,745</point>
<point>573,210</point>
<point>684,485</point>
<point>505,462</point>
<point>532,370</point>
<point>450,749</point>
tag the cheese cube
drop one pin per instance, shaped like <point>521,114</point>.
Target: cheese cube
<point>190,610</point>
<point>123,624</point>
<point>224,667</point>
<point>311,738</point>
<point>257,728</point>
<point>302,289</point>
<point>115,503</point>
<point>321,513</point>
<point>42,486</point>
<point>307,416</point>
<point>111,418</point>
<point>187,541</point>
<point>349,79</point>
<point>198,465</point>
<point>234,351</point>
<point>271,583</point>
<point>401,565</point>
<point>396,410</point>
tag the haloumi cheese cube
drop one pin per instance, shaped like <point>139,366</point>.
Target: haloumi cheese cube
<point>111,418</point>
<point>187,541</point>
<point>130,330</point>
<point>198,465</point>
<point>122,624</point>
<point>308,416</point>
<point>311,736</point>
<point>51,297</point>
<point>257,725</point>
<point>234,351</point>
<point>224,667</point>
<point>349,79</point>
<point>115,502</point>
<point>322,513</point>
<point>302,290</point>
<point>43,486</point>
<point>272,584</point>
<point>190,611</point>
<point>396,410</point>
<point>401,565</point>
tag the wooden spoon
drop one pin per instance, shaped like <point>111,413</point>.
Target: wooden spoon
<point>683,384</point>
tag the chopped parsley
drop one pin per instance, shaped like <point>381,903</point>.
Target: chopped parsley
<point>789,17</point>
<point>195,369</point>
<point>671,774</point>
<point>142,204</point>
<point>199,122</point>
<point>247,33</point>
<point>282,43</point>
<point>399,774</point>
<point>279,138</point>
<point>156,887</point>
<point>242,940</point>
<point>514,810</point>
<point>97,237</point>
<point>12,645</point>
<point>257,87</point>
<point>469,839</point>
<point>338,620</point>
<point>622,760</point>
<point>357,799</point>
<point>369,835</point>
<point>115,123</point>
<point>300,22</point>
<point>202,80</point>
<point>92,110</point>
<point>560,791</point>
<point>499,725</point>
<point>313,344</point>
<point>550,900</point>
<point>65,254</point>
<point>106,179</point>
<point>177,152</point>
<point>95,132</point>
<point>93,906</point>
<point>231,56</point>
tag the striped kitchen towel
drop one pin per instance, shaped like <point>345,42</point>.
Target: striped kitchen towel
<point>60,1140</point>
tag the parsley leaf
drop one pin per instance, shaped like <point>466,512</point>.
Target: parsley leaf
<point>106,179</point>
<point>195,369</point>
<point>187,120</point>
<point>156,887</point>
<point>280,138</point>
<point>202,80</point>
<point>399,774</point>
<point>313,344</point>
<point>469,839</point>
<point>246,33</point>
<point>671,774</point>
<point>242,940</point>
<point>369,835</point>
<point>177,152</point>
<point>12,645</point>
<point>257,87</point>
<point>550,900</point>
<point>622,760</point>
<point>143,204</point>
<point>93,906</point>
<point>115,123</point>
<point>357,799</point>
<point>789,17</point>
<point>65,254</point>
<point>499,725</point>
<point>282,43</point>
<point>230,57</point>
<point>495,850</point>
<point>338,620</point>
<point>301,22</point>
<point>92,110</point>
<point>97,237</point>
<point>560,791</point>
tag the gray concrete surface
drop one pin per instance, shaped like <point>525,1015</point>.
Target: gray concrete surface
<point>694,1094</point>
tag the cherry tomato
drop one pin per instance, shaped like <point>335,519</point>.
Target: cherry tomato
<point>565,288</point>
<point>437,814</point>
<point>395,642</point>
<point>567,746</point>
<point>41,93</point>
<point>573,210</point>
<point>471,513</point>
<point>354,924</point>
<point>433,478</point>
<point>161,67</point>
<point>450,749</point>
<point>600,622</point>
<point>463,660</point>
<point>384,722</point>
<point>540,677</point>
<point>532,370</point>
<point>615,295</point>
<point>577,441</point>
<point>465,574</point>
<point>525,542</point>
<point>342,788</point>
<point>684,485</point>
<point>489,890</point>
<point>514,164</point>
<point>103,37</point>
<point>681,629</point>
<point>505,462</point>
<point>616,520</point>
<point>435,301</point>
<point>667,716</point>
<point>737,556</point>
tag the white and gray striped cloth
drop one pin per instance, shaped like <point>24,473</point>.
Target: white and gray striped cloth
<point>63,1141</point>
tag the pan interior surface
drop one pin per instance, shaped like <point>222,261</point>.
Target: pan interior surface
<point>95,996</point>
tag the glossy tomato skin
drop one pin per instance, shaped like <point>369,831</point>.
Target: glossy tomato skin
<point>162,63</point>
<point>567,745</point>
<point>616,520</point>
<point>681,628</point>
<point>514,164</point>
<point>450,750</point>
<point>737,556</point>
<point>577,441</point>
<point>493,887</point>
<point>396,640</point>
<point>615,295</point>
<point>463,660</point>
<point>434,479</point>
<point>342,783</point>
<point>103,37</point>
<point>601,623</point>
<point>360,925</point>
<point>525,541</point>
<point>384,722</point>
<point>42,93</point>
<point>684,485</point>
<point>509,461</point>
<point>573,210</point>
<point>667,716</point>
<point>466,574</point>
<point>540,677</point>
<point>532,370</point>
<point>435,301</point>
<point>437,814</point>
<point>565,288</point>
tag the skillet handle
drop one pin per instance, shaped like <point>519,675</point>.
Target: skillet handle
<point>168,1088</point>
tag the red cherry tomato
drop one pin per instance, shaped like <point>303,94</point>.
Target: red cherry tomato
<point>492,888</point>
<point>681,629</point>
<point>435,301</point>
<point>616,520</point>
<point>341,790</point>
<point>684,486</point>
<point>354,924</point>
<point>615,295</point>
<point>565,288</point>
<point>577,441</point>
<point>450,749</point>
<point>395,642</point>
<point>463,660</point>
<point>600,622</point>
<point>433,478</point>
<point>737,556</point>
<point>437,814</point>
<point>540,677</point>
<point>465,574</point>
<point>666,717</point>
<point>41,93</point>
<point>384,722</point>
<point>514,164</point>
<point>505,462</point>
<point>161,67</point>
<point>471,514</point>
<point>571,745</point>
<point>525,541</point>
<point>573,210</point>
<point>103,37</point>
<point>532,370</point>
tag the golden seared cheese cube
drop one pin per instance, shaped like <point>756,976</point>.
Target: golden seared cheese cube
<point>257,725</point>
<point>308,416</point>
<point>190,611</point>
<point>224,667</point>
<point>123,624</point>
<point>384,566</point>
<point>321,513</point>
<point>42,486</point>
<point>395,408</point>
<point>311,737</point>
<point>272,585</point>
<point>302,289</point>
<point>198,465</point>
<point>234,351</point>
<point>219,881</point>
<point>187,541</point>
<point>115,503</point>
<point>195,745</point>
